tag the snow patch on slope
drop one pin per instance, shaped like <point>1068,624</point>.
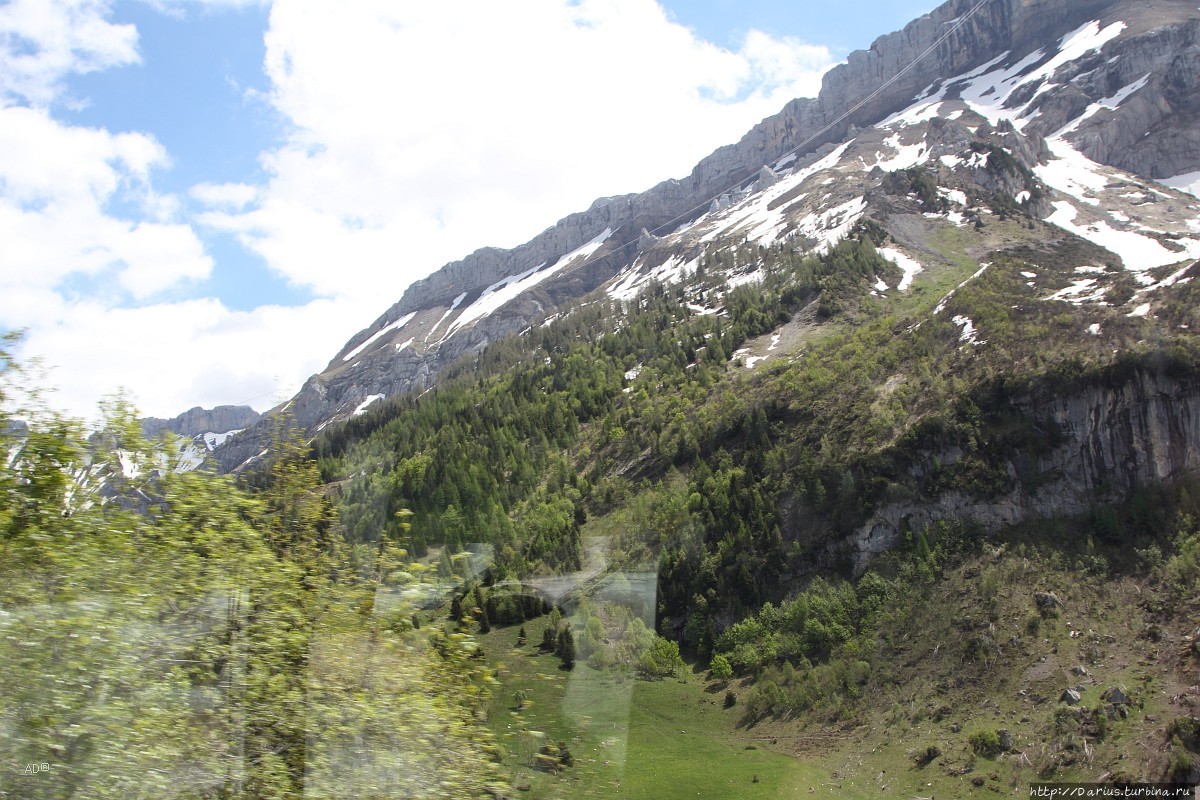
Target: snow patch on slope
<point>756,276</point>
<point>1176,277</point>
<point>634,280</point>
<point>395,326</point>
<point>754,212</point>
<point>457,302</point>
<point>907,155</point>
<point>909,266</point>
<point>190,456</point>
<point>917,113</point>
<point>957,196</point>
<point>1110,103</point>
<point>1071,172</point>
<point>1187,182</point>
<point>1084,290</point>
<point>508,288</point>
<point>969,334</point>
<point>365,404</point>
<point>1140,253</point>
<point>832,225</point>
<point>987,89</point>
<point>214,440</point>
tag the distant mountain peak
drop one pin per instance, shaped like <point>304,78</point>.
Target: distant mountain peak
<point>198,421</point>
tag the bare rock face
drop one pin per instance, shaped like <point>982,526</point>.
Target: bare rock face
<point>1142,432</point>
<point>911,59</point>
<point>196,421</point>
<point>1155,134</point>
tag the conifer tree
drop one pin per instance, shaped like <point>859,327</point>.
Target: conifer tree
<point>566,647</point>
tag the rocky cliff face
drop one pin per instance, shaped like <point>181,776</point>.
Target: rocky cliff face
<point>1145,53</point>
<point>1156,133</point>
<point>197,421</point>
<point>950,40</point>
<point>1142,432</point>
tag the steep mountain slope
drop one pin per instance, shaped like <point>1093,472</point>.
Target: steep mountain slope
<point>897,432</point>
<point>889,414</point>
<point>1066,85</point>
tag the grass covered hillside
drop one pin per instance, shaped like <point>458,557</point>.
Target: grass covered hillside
<point>744,448</point>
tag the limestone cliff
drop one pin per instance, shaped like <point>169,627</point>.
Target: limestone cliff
<point>197,421</point>
<point>1142,431</point>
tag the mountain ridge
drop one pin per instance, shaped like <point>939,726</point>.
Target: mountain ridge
<point>197,421</point>
<point>909,62</point>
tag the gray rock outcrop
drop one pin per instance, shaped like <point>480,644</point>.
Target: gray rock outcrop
<point>1143,431</point>
<point>1156,131</point>
<point>196,421</point>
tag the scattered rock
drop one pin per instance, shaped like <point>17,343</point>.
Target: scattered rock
<point>1006,739</point>
<point>1115,712</point>
<point>766,178</point>
<point>1080,671</point>
<point>1070,697</point>
<point>925,757</point>
<point>1047,601</point>
<point>1115,696</point>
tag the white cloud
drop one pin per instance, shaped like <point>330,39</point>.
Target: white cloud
<point>181,6</point>
<point>44,161</point>
<point>169,357</point>
<point>424,131</point>
<point>784,68</point>
<point>230,196</point>
<point>68,261</point>
<point>417,133</point>
<point>43,41</point>
<point>56,183</point>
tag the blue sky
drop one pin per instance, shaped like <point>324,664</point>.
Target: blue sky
<point>203,199</point>
<point>853,27</point>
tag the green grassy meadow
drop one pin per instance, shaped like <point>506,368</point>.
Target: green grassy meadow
<point>677,738</point>
<point>632,738</point>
